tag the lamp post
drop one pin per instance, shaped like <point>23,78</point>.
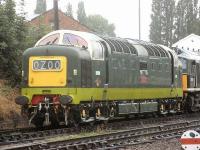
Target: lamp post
<point>139,20</point>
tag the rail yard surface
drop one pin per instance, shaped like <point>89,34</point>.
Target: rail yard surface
<point>146,133</point>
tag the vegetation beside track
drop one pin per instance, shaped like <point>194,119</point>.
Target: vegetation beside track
<point>8,109</point>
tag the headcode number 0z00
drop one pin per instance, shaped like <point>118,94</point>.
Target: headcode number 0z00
<point>41,65</point>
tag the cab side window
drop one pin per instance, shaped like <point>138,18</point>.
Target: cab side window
<point>97,50</point>
<point>143,66</point>
<point>52,39</point>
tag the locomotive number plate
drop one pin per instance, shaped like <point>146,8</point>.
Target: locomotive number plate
<point>46,65</point>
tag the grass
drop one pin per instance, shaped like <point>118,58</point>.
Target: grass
<point>77,136</point>
<point>8,108</point>
<point>82,134</point>
<point>5,90</point>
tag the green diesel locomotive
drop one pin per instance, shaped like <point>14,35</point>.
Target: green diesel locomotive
<point>72,77</point>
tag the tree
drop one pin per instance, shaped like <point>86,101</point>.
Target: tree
<point>100,25</point>
<point>40,6</point>
<point>33,34</point>
<point>167,22</point>
<point>186,19</point>
<point>156,23</point>
<point>95,22</point>
<point>69,11</point>
<point>12,35</point>
<point>81,15</point>
<point>22,11</point>
<point>15,37</point>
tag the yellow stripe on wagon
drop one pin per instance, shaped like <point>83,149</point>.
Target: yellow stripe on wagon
<point>48,71</point>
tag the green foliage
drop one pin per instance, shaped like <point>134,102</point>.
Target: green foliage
<point>171,22</point>
<point>15,37</point>
<point>168,11</point>
<point>69,11</point>
<point>33,34</point>
<point>187,19</point>
<point>12,35</point>
<point>156,26</point>
<point>97,23</point>
<point>81,15</point>
<point>40,6</point>
<point>100,25</point>
<point>161,28</point>
<point>22,6</point>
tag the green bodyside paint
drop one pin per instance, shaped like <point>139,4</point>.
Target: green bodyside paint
<point>85,94</point>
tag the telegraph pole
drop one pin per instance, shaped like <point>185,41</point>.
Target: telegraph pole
<point>139,20</point>
<point>56,17</point>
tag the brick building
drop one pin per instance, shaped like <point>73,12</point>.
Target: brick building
<point>65,22</point>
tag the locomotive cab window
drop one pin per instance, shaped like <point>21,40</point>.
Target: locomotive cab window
<point>71,39</point>
<point>52,39</point>
<point>97,50</point>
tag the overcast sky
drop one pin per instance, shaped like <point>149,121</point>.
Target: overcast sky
<point>123,13</point>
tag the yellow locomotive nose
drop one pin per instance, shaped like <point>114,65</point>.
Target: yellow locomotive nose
<point>47,71</point>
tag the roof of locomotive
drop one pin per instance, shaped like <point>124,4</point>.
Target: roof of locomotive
<point>136,47</point>
<point>85,35</point>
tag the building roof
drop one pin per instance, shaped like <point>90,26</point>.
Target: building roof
<point>66,22</point>
<point>191,43</point>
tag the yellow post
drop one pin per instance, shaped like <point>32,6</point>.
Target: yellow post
<point>184,81</point>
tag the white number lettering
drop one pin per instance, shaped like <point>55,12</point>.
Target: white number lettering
<point>57,65</point>
<point>50,65</point>
<point>42,62</point>
<point>46,65</point>
<point>35,65</point>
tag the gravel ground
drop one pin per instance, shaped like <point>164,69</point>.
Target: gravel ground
<point>167,144</point>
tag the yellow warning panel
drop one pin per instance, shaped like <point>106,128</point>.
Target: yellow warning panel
<point>184,81</point>
<point>48,71</point>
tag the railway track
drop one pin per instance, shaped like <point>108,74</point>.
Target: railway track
<point>145,127</point>
<point>30,133</point>
<point>123,139</point>
<point>112,140</point>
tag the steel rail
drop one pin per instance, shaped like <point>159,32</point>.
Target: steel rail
<point>111,140</point>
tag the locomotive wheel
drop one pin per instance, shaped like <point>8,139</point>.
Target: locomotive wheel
<point>54,123</point>
<point>74,117</point>
<point>54,119</point>
<point>38,122</point>
<point>191,104</point>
